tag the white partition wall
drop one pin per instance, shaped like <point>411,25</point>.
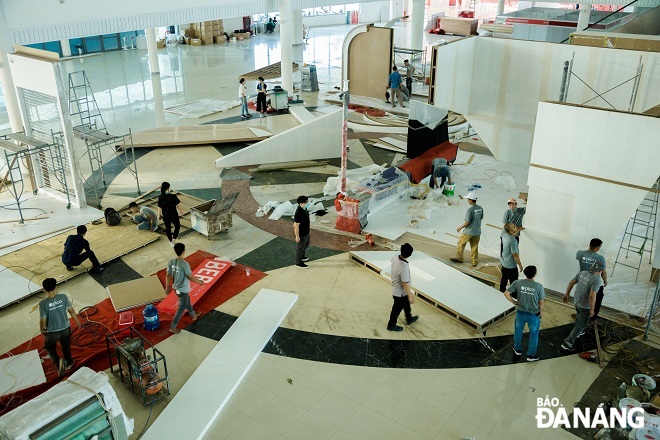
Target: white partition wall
<point>498,83</point>
<point>586,180</point>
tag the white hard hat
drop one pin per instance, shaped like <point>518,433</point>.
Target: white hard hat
<point>471,196</point>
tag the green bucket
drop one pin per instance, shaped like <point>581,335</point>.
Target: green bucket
<point>448,190</point>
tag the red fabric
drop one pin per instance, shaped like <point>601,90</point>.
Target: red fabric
<point>420,167</point>
<point>95,356</point>
<point>367,110</point>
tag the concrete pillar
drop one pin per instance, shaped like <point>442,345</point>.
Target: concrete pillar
<point>158,100</point>
<point>286,41</point>
<point>297,27</point>
<point>500,8</point>
<point>6,80</point>
<point>583,18</point>
<point>66,48</point>
<point>152,50</point>
<point>417,37</point>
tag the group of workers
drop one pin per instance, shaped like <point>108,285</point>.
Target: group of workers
<point>262,105</point>
<point>396,87</point>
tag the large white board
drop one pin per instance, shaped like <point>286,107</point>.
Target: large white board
<point>503,81</point>
<point>207,391</point>
<point>566,211</point>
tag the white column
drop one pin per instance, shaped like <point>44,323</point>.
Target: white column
<point>152,50</point>
<point>417,37</point>
<point>66,48</point>
<point>286,41</point>
<point>158,100</point>
<point>500,8</point>
<point>395,9</point>
<point>297,27</point>
<point>583,18</point>
<point>6,80</point>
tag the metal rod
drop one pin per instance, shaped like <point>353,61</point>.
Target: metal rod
<point>652,310</point>
<point>633,96</point>
<point>562,88</point>
<point>568,78</point>
<point>344,138</point>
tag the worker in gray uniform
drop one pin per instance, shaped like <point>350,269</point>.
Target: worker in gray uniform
<point>588,283</point>
<point>440,170</point>
<point>587,259</point>
<point>471,231</point>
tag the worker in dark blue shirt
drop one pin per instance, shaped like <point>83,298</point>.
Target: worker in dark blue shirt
<point>76,250</point>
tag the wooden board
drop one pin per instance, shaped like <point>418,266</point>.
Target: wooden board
<point>459,26</point>
<point>135,293</point>
<point>198,135</point>
<point>44,259</point>
<point>269,72</point>
<point>187,201</point>
<point>370,61</point>
<point>210,387</point>
<point>465,299</point>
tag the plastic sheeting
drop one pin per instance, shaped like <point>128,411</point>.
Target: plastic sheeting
<point>56,402</point>
<point>353,179</point>
<point>429,115</point>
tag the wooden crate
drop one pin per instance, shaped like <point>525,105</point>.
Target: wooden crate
<point>459,26</point>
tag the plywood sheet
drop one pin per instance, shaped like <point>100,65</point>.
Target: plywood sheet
<point>135,293</point>
<point>21,371</point>
<point>370,61</point>
<point>197,135</point>
<point>269,72</point>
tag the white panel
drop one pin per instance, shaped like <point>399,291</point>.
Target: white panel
<point>32,74</point>
<point>581,208</point>
<point>209,388</point>
<point>509,78</point>
<point>471,298</point>
<point>318,139</point>
<point>21,371</point>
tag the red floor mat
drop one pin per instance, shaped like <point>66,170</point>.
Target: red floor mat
<point>95,355</point>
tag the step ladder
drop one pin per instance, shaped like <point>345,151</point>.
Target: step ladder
<point>82,104</point>
<point>639,233</point>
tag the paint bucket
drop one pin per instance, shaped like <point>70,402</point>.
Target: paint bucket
<point>652,421</point>
<point>629,403</point>
<point>643,381</point>
<point>448,190</point>
<point>151,321</point>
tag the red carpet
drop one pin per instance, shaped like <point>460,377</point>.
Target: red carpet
<point>95,355</point>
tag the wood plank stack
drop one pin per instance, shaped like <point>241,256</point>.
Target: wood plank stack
<point>459,26</point>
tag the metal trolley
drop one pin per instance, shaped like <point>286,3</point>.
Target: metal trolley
<point>139,365</point>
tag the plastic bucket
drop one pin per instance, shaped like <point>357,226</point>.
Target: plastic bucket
<point>448,190</point>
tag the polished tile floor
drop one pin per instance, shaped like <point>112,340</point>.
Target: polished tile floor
<point>284,397</point>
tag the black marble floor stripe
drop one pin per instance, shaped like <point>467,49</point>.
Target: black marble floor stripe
<point>384,353</point>
<point>280,252</point>
<point>116,271</point>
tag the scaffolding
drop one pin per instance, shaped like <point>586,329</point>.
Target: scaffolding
<point>92,130</point>
<point>417,57</point>
<point>640,231</point>
<point>23,151</point>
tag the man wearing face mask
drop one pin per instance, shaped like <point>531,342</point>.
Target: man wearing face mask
<point>301,230</point>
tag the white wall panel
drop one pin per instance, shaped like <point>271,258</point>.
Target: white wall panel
<point>510,77</point>
<point>566,211</point>
<point>32,74</point>
<point>318,139</point>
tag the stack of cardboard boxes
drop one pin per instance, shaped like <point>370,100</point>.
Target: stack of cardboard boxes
<point>206,32</point>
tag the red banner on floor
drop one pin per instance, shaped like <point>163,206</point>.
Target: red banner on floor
<point>209,271</point>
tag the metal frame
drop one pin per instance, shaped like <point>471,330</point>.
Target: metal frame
<point>24,147</point>
<point>413,54</point>
<point>568,73</point>
<point>93,131</point>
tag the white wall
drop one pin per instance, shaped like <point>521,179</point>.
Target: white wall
<point>371,12</point>
<point>324,20</point>
<point>509,78</point>
<point>566,211</point>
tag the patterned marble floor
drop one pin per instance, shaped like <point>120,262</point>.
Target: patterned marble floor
<point>487,398</point>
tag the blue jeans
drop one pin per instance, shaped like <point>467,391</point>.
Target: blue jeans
<point>533,323</point>
<point>143,223</point>
<point>244,107</point>
<point>581,321</point>
<point>184,304</point>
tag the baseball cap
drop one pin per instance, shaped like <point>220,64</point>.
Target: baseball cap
<point>512,200</point>
<point>471,196</point>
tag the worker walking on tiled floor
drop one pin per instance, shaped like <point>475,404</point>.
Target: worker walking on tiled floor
<point>529,299</point>
<point>401,292</point>
<point>301,230</point>
<point>588,283</point>
<point>471,230</point>
<point>587,259</point>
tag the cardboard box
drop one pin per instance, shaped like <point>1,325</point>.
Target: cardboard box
<point>160,44</point>
<point>459,26</point>
<point>220,39</point>
<point>208,23</point>
<point>130,294</point>
<point>190,33</point>
<point>207,41</point>
<point>195,42</point>
<point>238,35</point>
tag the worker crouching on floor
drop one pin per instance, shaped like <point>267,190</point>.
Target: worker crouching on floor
<point>146,218</point>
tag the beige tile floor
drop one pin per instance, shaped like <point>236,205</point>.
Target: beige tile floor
<point>323,401</point>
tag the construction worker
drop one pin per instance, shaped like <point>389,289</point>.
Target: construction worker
<point>146,218</point>
<point>587,259</point>
<point>471,230</point>
<point>410,71</point>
